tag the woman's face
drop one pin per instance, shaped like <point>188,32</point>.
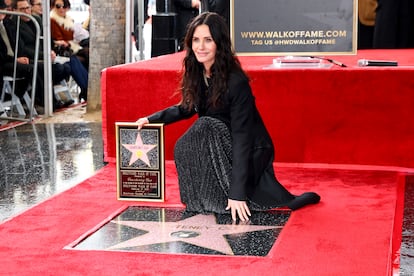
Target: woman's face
<point>204,47</point>
<point>59,8</point>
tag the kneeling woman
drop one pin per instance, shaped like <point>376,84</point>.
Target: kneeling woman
<point>225,160</point>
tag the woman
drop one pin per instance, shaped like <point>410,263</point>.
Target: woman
<point>24,66</point>
<point>62,29</point>
<point>225,160</point>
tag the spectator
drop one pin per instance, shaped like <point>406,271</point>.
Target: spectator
<point>394,24</point>
<point>28,39</point>
<point>186,10</point>
<point>366,23</point>
<point>86,23</point>
<point>37,8</point>
<point>63,35</point>
<point>24,69</point>
<point>221,7</point>
<point>8,4</point>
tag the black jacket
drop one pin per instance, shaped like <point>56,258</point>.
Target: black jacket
<point>185,13</point>
<point>252,164</point>
<point>4,58</point>
<point>28,36</point>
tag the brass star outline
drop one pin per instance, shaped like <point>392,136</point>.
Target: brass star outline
<point>211,234</point>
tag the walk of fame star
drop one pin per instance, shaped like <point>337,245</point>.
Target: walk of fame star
<point>174,231</point>
<point>199,230</point>
<point>139,151</point>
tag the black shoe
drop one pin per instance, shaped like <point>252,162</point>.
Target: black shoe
<point>58,105</point>
<point>303,200</point>
<point>68,103</point>
<point>83,95</point>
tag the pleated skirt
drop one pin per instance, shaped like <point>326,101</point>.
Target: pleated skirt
<point>203,158</point>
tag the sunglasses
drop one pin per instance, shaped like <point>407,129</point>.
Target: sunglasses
<point>24,9</point>
<point>59,6</point>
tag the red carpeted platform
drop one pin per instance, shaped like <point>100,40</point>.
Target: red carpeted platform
<point>352,115</point>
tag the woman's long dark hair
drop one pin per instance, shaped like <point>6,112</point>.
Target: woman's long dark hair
<point>225,60</point>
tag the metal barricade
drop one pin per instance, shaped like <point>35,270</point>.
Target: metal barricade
<point>32,111</point>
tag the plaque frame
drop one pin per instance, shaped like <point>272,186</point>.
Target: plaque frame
<point>140,162</point>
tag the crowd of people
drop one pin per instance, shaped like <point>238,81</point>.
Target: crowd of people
<point>73,53</point>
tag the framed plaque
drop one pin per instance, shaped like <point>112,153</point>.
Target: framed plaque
<point>140,162</point>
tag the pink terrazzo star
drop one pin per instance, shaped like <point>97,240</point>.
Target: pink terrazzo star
<point>200,230</point>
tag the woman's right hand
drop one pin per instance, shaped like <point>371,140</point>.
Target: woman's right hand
<point>141,122</point>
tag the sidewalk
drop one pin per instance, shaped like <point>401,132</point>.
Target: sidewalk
<point>75,114</point>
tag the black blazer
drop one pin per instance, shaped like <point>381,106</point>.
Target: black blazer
<point>11,33</point>
<point>185,13</point>
<point>252,164</point>
<point>27,38</point>
<point>4,58</point>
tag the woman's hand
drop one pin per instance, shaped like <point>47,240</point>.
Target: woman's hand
<point>141,122</point>
<point>238,208</point>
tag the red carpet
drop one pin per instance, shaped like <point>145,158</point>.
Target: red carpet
<point>11,124</point>
<point>334,116</point>
<point>349,233</point>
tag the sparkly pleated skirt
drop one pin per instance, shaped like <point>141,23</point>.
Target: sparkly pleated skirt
<point>203,160</point>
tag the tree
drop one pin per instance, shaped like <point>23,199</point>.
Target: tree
<point>107,44</point>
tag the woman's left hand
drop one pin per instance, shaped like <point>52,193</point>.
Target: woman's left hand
<point>238,208</point>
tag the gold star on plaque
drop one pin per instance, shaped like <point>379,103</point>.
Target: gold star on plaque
<point>139,151</point>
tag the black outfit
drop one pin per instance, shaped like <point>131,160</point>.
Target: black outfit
<point>365,36</point>
<point>28,40</point>
<point>394,24</point>
<point>241,165</point>
<point>1,76</point>
<point>136,23</point>
<point>22,70</point>
<point>222,7</point>
<point>185,13</point>
<point>27,43</point>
